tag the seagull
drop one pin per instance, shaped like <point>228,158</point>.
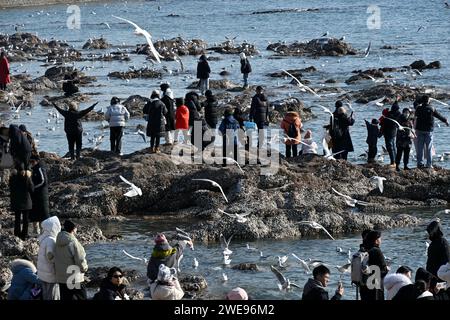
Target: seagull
<point>98,141</point>
<point>215,184</point>
<point>226,260</point>
<point>133,191</point>
<point>377,102</point>
<point>178,59</point>
<point>436,100</point>
<point>345,268</point>
<point>349,200</point>
<point>302,263</point>
<point>250,248</point>
<point>315,225</point>
<point>325,34</point>
<point>446,211</point>
<point>148,37</point>
<point>135,258</point>
<point>287,138</point>
<point>301,85</point>
<point>366,53</point>
<point>427,245</point>
<point>420,28</point>
<point>328,155</point>
<point>326,110</point>
<point>239,217</point>
<point>195,263</point>
<point>106,24</point>
<point>224,277</point>
<point>225,244</point>
<point>234,161</point>
<point>314,263</point>
<point>378,181</point>
<point>262,257</point>
<point>284,284</point>
<point>417,72</point>
<point>142,134</point>
<point>184,236</point>
<point>282,261</point>
<point>400,127</point>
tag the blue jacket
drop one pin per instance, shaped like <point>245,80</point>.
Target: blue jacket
<point>24,277</point>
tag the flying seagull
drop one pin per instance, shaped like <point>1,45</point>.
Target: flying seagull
<point>316,226</point>
<point>301,85</point>
<point>135,258</point>
<point>400,127</point>
<point>328,154</point>
<point>345,268</point>
<point>284,284</point>
<point>378,181</point>
<point>184,236</point>
<point>234,161</point>
<point>302,263</point>
<point>282,261</point>
<point>436,100</point>
<point>349,200</point>
<point>225,244</point>
<point>240,217</point>
<point>215,184</point>
<point>142,134</point>
<point>133,190</point>
<point>148,37</point>
<point>366,53</point>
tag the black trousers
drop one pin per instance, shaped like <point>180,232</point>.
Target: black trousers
<point>2,86</point>
<point>391,148</point>
<point>405,151</point>
<point>342,155</point>
<point>74,139</point>
<point>294,148</point>
<point>115,136</point>
<point>372,152</point>
<point>154,141</point>
<point>21,217</point>
<point>72,294</point>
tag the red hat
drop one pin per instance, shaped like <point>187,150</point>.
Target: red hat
<point>160,238</point>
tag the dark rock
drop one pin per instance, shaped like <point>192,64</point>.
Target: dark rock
<point>246,267</point>
<point>331,81</point>
<point>229,47</point>
<point>132,74</point>
<point>135,105</point>
<point>433,65</point>
<point>192,283</point>
<point>316,47</point>
<point>224,73</point>
<point>284,11</point>
<point>419,65</point>
<point>298,73</point>
<point>100,43</point>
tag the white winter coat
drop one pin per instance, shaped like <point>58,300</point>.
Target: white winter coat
<point>393,282</point>
<point>46,264</point>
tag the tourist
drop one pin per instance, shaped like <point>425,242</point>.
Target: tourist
<point>166,286</point>
<point>117,115</point>
<point>24,279</point>
<point>394,281</point>
<point>237,294</point>
<point>182,120</point>
<point>389,129</point>
<point>211,107</point>
<point>21,187</point>
<point>4,71</point>
<point>373,133</point>
<point>113,286</point>
<point>439,250</point>
<point>203,71</point>
<point>246,68</point>
<point>314,289</point>
<point>156,111</point>
<point>339,130</point>
<point>291,125</point>
<point>39,197</point>
<point>404,140</point>
<point>169,101</point>
<point>309,146</point>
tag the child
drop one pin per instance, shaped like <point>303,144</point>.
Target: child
<point>373,133</point>
<point>308,145</point>
<point>404,140</point>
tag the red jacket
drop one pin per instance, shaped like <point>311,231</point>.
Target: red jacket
<point>182,118</point>
<point>4,71</point>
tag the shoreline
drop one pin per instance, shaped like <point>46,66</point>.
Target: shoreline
<point>13,4</point>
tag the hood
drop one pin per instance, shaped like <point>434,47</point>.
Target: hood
<point>116,107</point>
<point>183,110</point>
<point>434,230</point>
<point>291,116</point>
<point>64,238</point>
<point>308,141</point>
<point>242,56</point>
<point>444,273</point>
<point>169,93</point>
<point>385,112</point>
<point>394,279</point>
<point>310,285</point>
<point>50,227</point>
<point>18,265</point>
<point>203,58</point>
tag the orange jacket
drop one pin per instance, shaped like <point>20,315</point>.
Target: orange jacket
<point>292,117</point>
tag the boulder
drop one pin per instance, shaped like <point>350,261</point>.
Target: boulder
<point>100,43</point>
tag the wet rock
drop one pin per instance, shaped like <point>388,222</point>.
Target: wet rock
<point>96,276</point>
<point>89,234</point>
<point>433,65</point>
<point>39,84</point>
<point>419,65</point>
<point>316,47</point>
<point>298,73</point>
<point>365,75</point>
<point>388,47</point>
<point>192,283</point>
<point>222,84</point>
<point>246,267</point>
<point>11,245</point>
<point>100,43</point>
<point>331,81</point>
<point>112,56</point>
<point>135,105</point>
<point>229,47</point>
<point>175,46</point>
<point>133,74</point>
<point>57,74</point>
<point>224,73</point>
<point>282,106</point>
<point>284,10</point>
<point>63,101</point>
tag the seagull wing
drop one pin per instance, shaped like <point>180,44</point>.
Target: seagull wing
<point>380,184</point>
<point>279,275</point>
<point>368,50</point>
<point>155,53</point>
<point>228,214</point>
<point>132,257</point>
<point>342,195</point>
<point>130,22</point>
<point>131,193</point>
<point>400,127</point>
<point>223,242</point>
<point>177,58</point>
<point>326,231</point>
<point>301,85</point>
<point>223,193</point>
<point>126,181</point>
<point>438,101</point>
<point>325,148</point>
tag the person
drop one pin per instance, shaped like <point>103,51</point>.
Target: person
<point>404,140</point>
<point>309,146</point>
<point>30,139</point>
<point>438,250</point>
<point>211,107</point>
<point>117,115</point>
<point>237,294</point>
<point>291,125</point>
<point>113,286</point>
<point>46,258</point>
<point>373,133</point>
<point>73,126</point>
<point>259,112</point>
<point>191,101</point>
<point>314,289</point>
<point>169,101</point>
<point>156,111</point>
<point>425,115</point>
<point>20,148</point>
<point>182,120</point>
<point>376,258</point>
<point>339,130</point>
<point>164,253</point>
<point>24,279</point>
<point>166,286</point>
<point>389,130</point>
<point>39,198</point>
<point>246,68</point>
<point>21,187</point>
<point>411,292</point>
<point>444,274</point>
<point>229,129</point>
<point>69,84</point>
<point>203,71</point>
<point>423,289</point>
<point>70,264</point>
<point>393,282</point>
<point>4,71</point>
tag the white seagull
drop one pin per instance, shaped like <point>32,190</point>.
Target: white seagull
<point>184,236</point>
<point>142,134</point>
<point>225,244</point>
<point>349,200</point>
<point>224,277</point>
<point>250,248</point>
<point>215,184</point>
<point>345,268</point>
<point>148,37</point>
<point>234,161</point>
<point>328,155</point>
<point>301,85</point>
<point>284,284</point>
<point>438,101</point>
<point>302,263</point>
<point>378,181</point>
<point>326,110</point>
<point>135,258</point>
<point>240,217</point>
<point>316,226</point>
<point>195,263</point>
<point>226,260</point>
<point>282,261</point>
<point>366,53</point>
<point>133,190</point>
<point>400,127</point>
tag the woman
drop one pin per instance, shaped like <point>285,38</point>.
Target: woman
<point>291,125</point>
<point>117,115</point>
<point>182,120</point>
<point>203,71</point>
<point>438,251</point>
<point>211,109</point>
<point>4,71</point>
<point>23,280</point>
<point>246,68</point>
<point>309,146</point>
<point>21,187</point>
<point>229,129</point>
<point>73,126</point>
<point>20,148</point>
<point>394,282</point>
<point>39,198</point>
<point>156,112</point>
<point>339,131</point>
<point>169,101</point>
<point>46,258</point>
<point>166,286</point>
<point>113,286</point>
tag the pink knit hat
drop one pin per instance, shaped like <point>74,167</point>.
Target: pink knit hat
<point>237,294</point>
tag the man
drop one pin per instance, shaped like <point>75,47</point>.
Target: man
<point>314,289</point>
<point>425,115</point>
<point>117,115</point>
<point>169,100</point>
<point>411,292</point>
<point>70,264</point>
<point>339,131</point>
<point>259,112</point>
<point>246,68</point>
<point>439,250</point>
<point>203,71</point>
<point>389,129</point>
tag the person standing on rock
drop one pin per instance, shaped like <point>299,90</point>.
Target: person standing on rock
<point>339,131</point>
<point>211,107</point>
<point>30,139</point>
<point>156,111</point>
<point>291,125</point>
<point>4,71</point>
<point>70,264</point>
<point>404,140</point>
<point>21,187</point>
<point>73,126</point>
<point>20,148</point>
<point>169,100</point>
<point>203,71</point>
<point>389,128</point>
<point>259,112</point>
<point>425,115</point>
<point>439,250</point>
<point>117,115</point>
<point>246,68</point>
<point>69,84</point>
<point>46,258</point>
<point>229,130</point>
<point>191,101</point>
<point>314,289</point>
<point>40,208</point>
<point>182,120</point>
<point>112,287</point>
<point>373,133</point>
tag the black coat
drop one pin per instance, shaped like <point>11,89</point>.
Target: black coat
<point>389,127</point>
<point>407,293</point>
<point>203,69</point>
<point>108,291</point>
<point>170,116</point>
<point>156,111</point>
<point>259,110</point>
<point>245,66</point>
<point>20,147</point>
<point>313,291</point>
<point>21,189</point>
<point>212,112</point>
<point>194,107</point>
<point>40,208</point>
<point>438,251</point>
<point>425,118</point>
<point>344,142</point>
<point>72,119</point>
<point>373,133</point>
<point>404,138</point>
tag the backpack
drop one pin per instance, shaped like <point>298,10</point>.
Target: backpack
<point>336,131</point>
<point>292,130</point>
<point>359,264</point>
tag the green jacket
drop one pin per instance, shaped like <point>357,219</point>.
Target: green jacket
<point>69,258</point>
